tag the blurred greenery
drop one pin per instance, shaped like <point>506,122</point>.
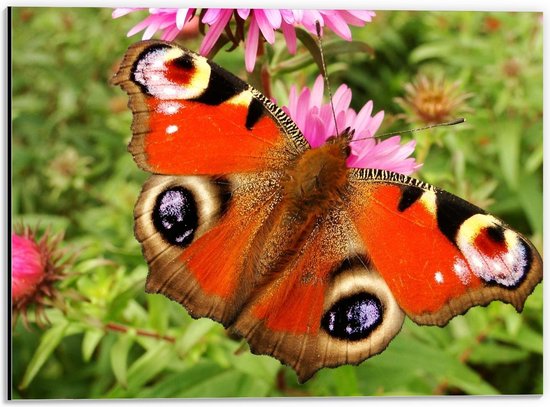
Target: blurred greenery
<point>71,171</point>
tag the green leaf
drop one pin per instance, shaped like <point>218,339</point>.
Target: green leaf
<point>509,139</point>
<point>406,361</point>
<point>194,332</point>
<point>311,44</point>
<point>207,379</point>
<point>534,162</point>
<point>260,367</point>
<point>346,378</point>
<point>530,196</point>
<point>48,342</point>
<point>177,384</point>
<point>150,364</point>
<point>218,383</point>
<point>329,49</point>
<point>428,51</point>
<point>493,353</point>
<point>119,358</point>
<point>158,310</point>
<point>526,338</point>
<point>91,339</point>
<point>347,47</point>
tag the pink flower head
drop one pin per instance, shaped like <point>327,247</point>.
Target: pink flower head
<point>36,264</point>
<point>261,21</point>
<point>315,120</point>
<point>27,267</point>
<point>170,21</point>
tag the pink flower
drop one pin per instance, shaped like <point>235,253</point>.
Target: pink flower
<point>36,264</point>
<point>27,267</point>
<point>336,20</point>
<point>261,21</point>
<point>168,20</point>
<point>316,122</point>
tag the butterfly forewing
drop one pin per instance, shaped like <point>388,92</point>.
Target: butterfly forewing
<point>192,117</point>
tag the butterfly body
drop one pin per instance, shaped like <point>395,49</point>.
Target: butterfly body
<point>310,261</point>
<point>319,176</point>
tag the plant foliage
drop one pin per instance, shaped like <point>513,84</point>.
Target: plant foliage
<point>71,171</point>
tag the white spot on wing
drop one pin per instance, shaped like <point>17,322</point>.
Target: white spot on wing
<point>461,270</point>
<point>438,277</point>
<point>169,108</point>
<point>171,129</point>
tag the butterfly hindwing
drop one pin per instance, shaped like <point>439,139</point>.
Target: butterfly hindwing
<point>325,307</point>
<point>197,234</point>
<point>439,254</point>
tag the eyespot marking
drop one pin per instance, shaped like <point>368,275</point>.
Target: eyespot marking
<point>175,216</point>
<point>354,317</point>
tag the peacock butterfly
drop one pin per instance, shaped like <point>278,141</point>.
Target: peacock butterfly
<point>313,263</point>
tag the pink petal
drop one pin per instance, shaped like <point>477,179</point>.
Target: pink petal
<point>309,17</point>
<point>302,105</point>
<point>376,121</point>
<point>288,16</point>
<point>317,134</point>
<point>243,13</point>
<point>337,24</point>
<point>251,45</point>
<point>317,91</point>
<point>212,15</point>
<point>215,30</point>
<point>182,16</point>
<point>355,18</point>
<point>327,116</point>
<point>290,36</point>
<point>170,33</point>
<point>341,98</point>
<point>293,99</point>
<point>273,16</point>
<point>152,29</point>
<point>122,11</point>
<point>165,22</point>
<point>363,117</point>
<point>265,27</point>
<point>141,25</point>
<point>27,267</point>
<point>363,15</point>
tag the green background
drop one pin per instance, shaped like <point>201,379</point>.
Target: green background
<point>71,171</point>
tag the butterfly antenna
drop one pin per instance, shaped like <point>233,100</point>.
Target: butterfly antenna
<point>325,75</point>
<point>395,133</point>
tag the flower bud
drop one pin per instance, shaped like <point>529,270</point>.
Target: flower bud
<point>27,267</point>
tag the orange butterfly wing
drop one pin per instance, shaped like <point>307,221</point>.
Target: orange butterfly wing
<point>193,117</point>
<point>326,307</point>
<point>439,254</point>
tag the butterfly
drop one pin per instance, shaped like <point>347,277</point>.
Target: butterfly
<point>312,262</point>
